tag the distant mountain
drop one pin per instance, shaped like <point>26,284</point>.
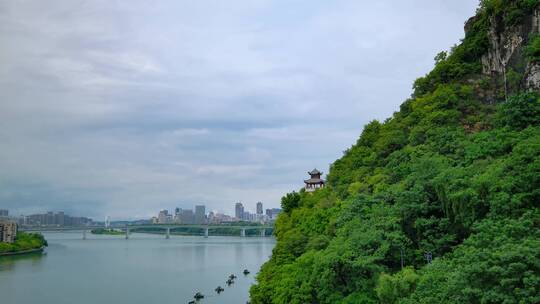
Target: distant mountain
<point>439,203</point>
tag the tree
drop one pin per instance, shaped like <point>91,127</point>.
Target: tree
<point>521,111</point>
<point>290,201</point>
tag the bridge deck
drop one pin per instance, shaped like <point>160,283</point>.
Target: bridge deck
<point>132,227</point>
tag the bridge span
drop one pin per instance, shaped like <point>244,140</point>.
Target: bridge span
<point>205,229</point>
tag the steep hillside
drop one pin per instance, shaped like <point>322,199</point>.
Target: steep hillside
<point>454,173</point>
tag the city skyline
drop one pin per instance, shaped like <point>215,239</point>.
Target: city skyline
<point>13,211</point>
<point>258,210</point>
<point>174,211</point>
<point>196,215</point>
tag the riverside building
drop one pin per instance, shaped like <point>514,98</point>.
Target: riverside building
<point>239,211</point>
<point>200,214</point>
<point>8,231</point>
<point>259,208</point>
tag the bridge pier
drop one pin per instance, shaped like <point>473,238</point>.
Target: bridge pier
<point>127,233</point>
<point>206,232</point>
<point>168,233</point>
<point>84,234</point>
<point>263,232</point>
<point>243,232</point>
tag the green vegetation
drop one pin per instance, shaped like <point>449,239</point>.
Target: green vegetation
<point>107,231</point>
<point>511,12</point>
<point>532,50</point>
<point>449,174</point>
<point>463,63</point>
<point>24,241</point>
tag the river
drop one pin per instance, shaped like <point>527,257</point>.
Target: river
<point>144,269</point>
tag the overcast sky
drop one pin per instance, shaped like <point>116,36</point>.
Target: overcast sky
<point>123,108</point>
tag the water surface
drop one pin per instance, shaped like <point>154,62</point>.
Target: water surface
<point>144,269</point>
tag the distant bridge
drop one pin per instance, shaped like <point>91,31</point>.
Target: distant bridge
<point>163,227</point>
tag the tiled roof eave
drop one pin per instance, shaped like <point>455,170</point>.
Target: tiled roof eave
<point>314,181</point>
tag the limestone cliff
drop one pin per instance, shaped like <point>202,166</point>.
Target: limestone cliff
<point>506,48</point>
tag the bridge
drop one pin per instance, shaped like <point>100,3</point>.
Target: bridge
<point>159,227</point>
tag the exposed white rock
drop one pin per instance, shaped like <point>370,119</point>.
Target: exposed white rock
<point>506,49</point>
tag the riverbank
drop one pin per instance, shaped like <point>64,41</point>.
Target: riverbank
<point>24,244</point>
<point>29,251</point>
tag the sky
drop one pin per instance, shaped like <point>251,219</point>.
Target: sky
<point>124,108</point>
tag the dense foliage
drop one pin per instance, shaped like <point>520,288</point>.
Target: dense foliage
<point>24,241</point>
<point>448,176</point>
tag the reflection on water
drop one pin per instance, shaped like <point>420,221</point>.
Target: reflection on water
<point>10,262</point>
<point>144,269</point>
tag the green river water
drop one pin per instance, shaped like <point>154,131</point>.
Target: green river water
<point>144,269</point>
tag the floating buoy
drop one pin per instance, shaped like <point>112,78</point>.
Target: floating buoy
<point>198,296</point>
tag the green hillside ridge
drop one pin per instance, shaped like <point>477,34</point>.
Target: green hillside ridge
<point>455,172</point>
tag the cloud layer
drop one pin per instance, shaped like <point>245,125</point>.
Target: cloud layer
<point>122,108</point>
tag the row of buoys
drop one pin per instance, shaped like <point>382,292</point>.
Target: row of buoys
<point>198,296</point>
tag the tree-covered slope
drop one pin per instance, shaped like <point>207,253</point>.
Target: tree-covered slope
<point>454,173</point>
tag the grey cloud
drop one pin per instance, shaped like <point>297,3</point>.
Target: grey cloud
<point>124,108</point>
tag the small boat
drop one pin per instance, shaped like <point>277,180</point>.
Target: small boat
<point>198,296</point>
<point>232,277</point>
<point>191,302</point>
<point>219,289</point>
<point>246,272</point>
<point>230,282</point>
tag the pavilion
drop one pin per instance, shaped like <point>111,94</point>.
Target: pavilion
<point>315,182</point>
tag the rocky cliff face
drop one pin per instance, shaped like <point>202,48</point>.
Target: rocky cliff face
<point>506,50</point>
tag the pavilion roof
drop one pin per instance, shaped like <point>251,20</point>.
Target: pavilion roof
<point>315,172</point>
<point>314,181</point>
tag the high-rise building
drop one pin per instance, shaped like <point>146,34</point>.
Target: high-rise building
<point>4,213</point>
<point>200,214</point>
<point>187,217</point>
<point>8,231</point>
<point>275,212</point>
<point>164,217</point>
<point>272,213</point>
<point>59,218</point>
<point>259,208</point>
<point>177,211</point>
<point>21,220</point>
<point>239,211</point>
<point>49,218</point>
<point>248,216</point>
